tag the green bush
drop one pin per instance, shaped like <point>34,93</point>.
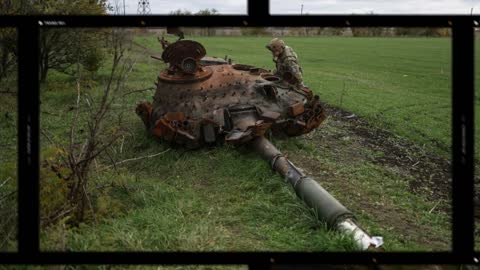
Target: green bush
<point>56,181</point>
<point>93,60</point>
<point>53,186</point>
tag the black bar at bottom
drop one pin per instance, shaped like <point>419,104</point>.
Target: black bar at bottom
<point>253,259</point>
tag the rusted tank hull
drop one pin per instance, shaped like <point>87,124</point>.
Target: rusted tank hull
<point>232,103</point>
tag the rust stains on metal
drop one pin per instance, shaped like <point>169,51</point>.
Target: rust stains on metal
<point>202,100</point>
<point>296,109</point>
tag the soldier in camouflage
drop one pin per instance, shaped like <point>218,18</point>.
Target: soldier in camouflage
<point>286,62</point>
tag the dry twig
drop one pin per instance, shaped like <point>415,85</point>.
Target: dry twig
<point>138,158</point>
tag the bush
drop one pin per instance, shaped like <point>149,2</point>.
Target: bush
<point>53,186</point>
<point>55,180</point>
<point>93,60</point>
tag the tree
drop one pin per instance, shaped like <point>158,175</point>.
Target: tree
<point>12,7</point>
<point>368,31</point>
<point>8,51</point>
<point>56,7</point>
<point>207,12</point>
<point>180,12</point>
<point>8,39</point>
<point>59,48</point>
<point>203,12</point>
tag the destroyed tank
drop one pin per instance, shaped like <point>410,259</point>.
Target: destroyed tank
<point>206,100</point>
<point>202,101</point>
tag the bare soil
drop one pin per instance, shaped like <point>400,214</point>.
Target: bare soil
<point>428,174</point>
<point>432,173</point>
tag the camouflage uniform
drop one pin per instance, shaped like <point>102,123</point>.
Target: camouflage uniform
<point>286,62</point>
<point>287,66</point>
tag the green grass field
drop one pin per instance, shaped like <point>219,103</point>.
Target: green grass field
<point>227,199</point>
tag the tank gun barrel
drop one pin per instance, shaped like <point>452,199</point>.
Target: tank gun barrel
<point>315,196</point>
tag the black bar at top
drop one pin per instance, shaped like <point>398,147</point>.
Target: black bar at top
<point>257,9</point>
<point>253,19</point>
<point>28,170</point>
<point>462,136</point>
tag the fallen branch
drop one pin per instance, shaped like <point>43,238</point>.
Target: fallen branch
<point>138,158</point>
<point>431,210</point>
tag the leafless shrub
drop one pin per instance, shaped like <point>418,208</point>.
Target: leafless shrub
<point>91,115</point>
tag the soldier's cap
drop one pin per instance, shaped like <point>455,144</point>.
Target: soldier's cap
<point>275,44</point>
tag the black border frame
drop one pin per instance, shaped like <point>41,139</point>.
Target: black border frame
<point>258,15</point>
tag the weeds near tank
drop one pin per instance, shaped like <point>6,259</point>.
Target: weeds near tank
<point>8,139</point>
<point>8,172</point>
<point>90,135</point>
<point>8,212</point>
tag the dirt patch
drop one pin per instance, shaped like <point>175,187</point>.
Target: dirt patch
<point>431,173</point>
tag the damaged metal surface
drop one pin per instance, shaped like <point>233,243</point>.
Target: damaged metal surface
<point>201,100</point>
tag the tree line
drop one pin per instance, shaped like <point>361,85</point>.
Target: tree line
<point>311,31</point>
<point>319,31</point>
